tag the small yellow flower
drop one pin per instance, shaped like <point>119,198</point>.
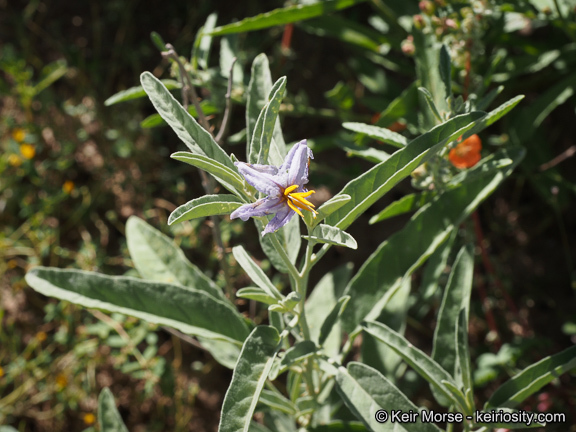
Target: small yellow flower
<point>89,419</point>
<point>41,336</point>
<point>68,186</point>
<point>19,135</point>
<point>27,150</point>
<point>1,371</point>
<point>61,381</point>
<point>14,160</point>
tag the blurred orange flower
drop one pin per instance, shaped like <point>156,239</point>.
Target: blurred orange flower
<point>68,186</point>
<point>89,419</point>
<point>467,153</point>
<point>27,150</point>
<point>14,160</point>
<point>19,135</point>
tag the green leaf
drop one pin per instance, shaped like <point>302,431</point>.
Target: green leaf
<point>248,380</point>
<point>333,316</point>
<point>255,272</point>
<point>264,127</point>
<point>446,70</point>
<point>430,102</point>
<point>321,301</point>
<point>258,91</point>
<point>532,379</point>
<point>285,16</point>
<point>364,390</point>
<point>339,426</point>
<point>326,209</point>
<point>138,92</point>
<point>534,115</point>
<point>158,41</point>
<point>406,204</point>
<point>155,120</point>
<point>109,419</point>
<point>187,309</point>
<point>206,41</point>
<point>347,31</point>
<point>366,189</point>
<point>257,294</point>
<point>277,402</point>
<point>405,105</point>
<point>378,133</point>
<point>157,258</point>
<point>224,352</point>
<point>456,298</point>
<point>208,205</point>
<point>227,177</point>
<point>331,235</point>
<point>419,361</point>
<point>198,140</point>
<point>464,369</point>
<point>407,249</point>
<point>293,355</point>
<point>378,355</point>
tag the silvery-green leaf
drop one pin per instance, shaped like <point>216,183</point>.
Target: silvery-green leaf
<point>378,133</point>
<point>157,258</point>
<point>109,419</point>
<point>208,205</point>
<point>332,235</point>
<point>187,309</point>
<point>248,379</point>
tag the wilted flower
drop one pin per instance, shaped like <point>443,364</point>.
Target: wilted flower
<point>467,153</point>
<point>284,187</point>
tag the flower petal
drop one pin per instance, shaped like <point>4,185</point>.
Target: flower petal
<point>296,164</point>
<point>263,181</point>
<point>282,217</point>
<point>262,207</point>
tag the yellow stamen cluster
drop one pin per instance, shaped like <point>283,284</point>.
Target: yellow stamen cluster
<point>297,200</point>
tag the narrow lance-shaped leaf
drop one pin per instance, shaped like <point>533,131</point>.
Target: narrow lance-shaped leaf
<point>532,379</point>
<point>333,316</point>
<point>284,16</point>
<point>420,362</point>
<point>208,205</point>
<point>463,361</point>
<point>264,127</point>
<point>326,209</point>
<point>456,298</point>
<point>378,133</point>
<point>331,235</point>
<point>406,204</point>
<point>258,294</point>
<point>138,92</point>
<point>227,177</point>
<point>365,391</point>
<point>186,309</point>
<point>255,272</point>
<point>366,189</point>
<point>407,249</point>
<point>258,90</point>
<point>446,70</point>
<point>205,41</point>
<point>109,419</point>
<point>157,258</point>
<point>248,380</point>
<point>197,139</point>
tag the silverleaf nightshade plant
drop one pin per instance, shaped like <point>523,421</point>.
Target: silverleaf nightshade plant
<point>310,337</point>
<point>284,187</point>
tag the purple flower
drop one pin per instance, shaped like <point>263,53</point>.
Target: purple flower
<point>284,187</point>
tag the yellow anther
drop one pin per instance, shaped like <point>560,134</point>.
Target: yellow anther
<point>290,189</point>
<point>296,200</point>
